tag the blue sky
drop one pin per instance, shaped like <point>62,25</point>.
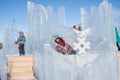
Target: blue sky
<point>17,9</point>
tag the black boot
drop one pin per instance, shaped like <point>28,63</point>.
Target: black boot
<point>23,52</point>
<point>117,44</point>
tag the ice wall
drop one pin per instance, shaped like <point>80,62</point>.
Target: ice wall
<point>99,63</point>
<point>59,17</point>
<point>3,67</point>
<point>10,32</point>
<point>59,66</point>
<point>100,20</point>
<point>9,47</point>
<point>83,17</point>
<point>42,28</point>
<point>102,39</point>
<point>54,66</point>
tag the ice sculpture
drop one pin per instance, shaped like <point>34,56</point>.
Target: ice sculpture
<point>101,23</point>
<point>99,63</point>
<point>41,28</point>
<point>81,45</point>
<point>83,14</point>
<point>90,64</point>
<point>9,48</point>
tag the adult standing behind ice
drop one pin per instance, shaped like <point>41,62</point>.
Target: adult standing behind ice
<point>117,38</point>
<point>21,41</point>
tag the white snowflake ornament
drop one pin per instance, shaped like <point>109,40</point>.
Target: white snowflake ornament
<point>82,45</point>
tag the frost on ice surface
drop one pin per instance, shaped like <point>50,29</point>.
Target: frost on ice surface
<point>99,62</point>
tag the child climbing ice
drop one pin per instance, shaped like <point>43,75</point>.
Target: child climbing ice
<point>21,41</point>
<point>63,47</point>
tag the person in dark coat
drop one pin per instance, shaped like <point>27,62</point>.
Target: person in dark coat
<point>21,41</point>
<point>117,39</point>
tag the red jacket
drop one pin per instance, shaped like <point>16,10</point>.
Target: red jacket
<point>64,49</point>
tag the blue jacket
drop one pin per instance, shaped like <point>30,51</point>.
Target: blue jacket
<point>21,39</point>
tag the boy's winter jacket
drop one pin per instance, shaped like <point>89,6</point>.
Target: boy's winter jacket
<point>21,39</point>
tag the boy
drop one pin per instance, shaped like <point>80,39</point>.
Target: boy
<point>21,41</point>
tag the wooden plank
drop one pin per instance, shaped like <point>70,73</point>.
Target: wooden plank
<point>20,58</point>
<point>20,74</point>
<point>19,63</point>
<point>22,78</point>
<point>19,69</point>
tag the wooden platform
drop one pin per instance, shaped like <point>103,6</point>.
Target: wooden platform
<point>20,68</point>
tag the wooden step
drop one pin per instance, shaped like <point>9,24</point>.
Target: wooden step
<point>22,78</point>
<point>20,74</point>
<point>19,58</point>
<point>19,69</point>
<point>19,63</point>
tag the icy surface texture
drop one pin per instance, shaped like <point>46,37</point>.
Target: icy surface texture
<point>98,66</point>
<point>100,21</point>
<point>10,35</point>
<point>2,66</point>
<point>99,63</point>
<point>102,50</point>
<point>9,47</point>
<point>42,28</point>
<point>55,66</point>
